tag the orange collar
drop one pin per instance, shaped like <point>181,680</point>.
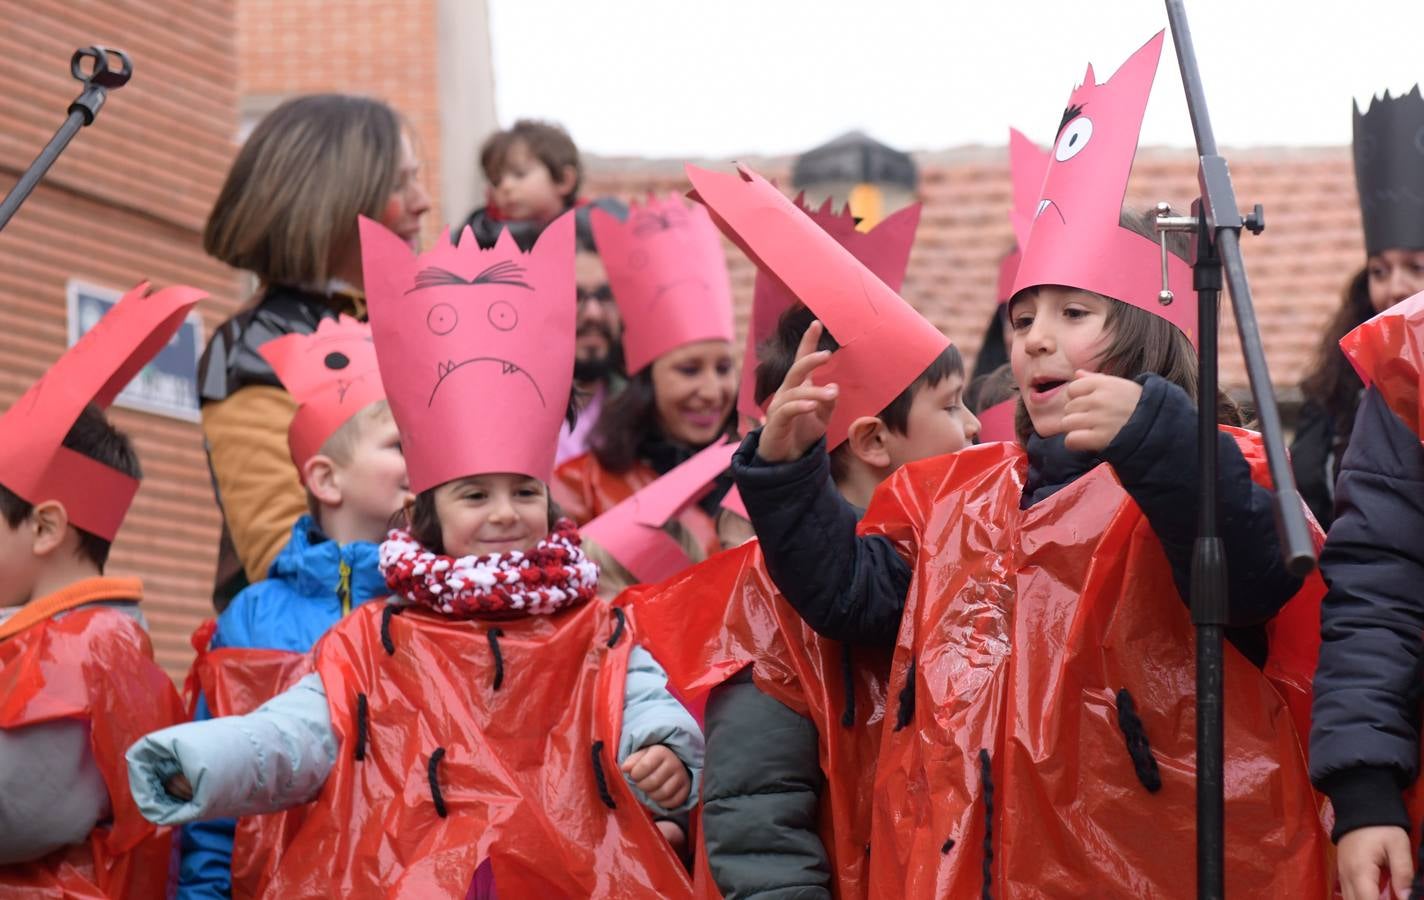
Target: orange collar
<point>86,590</point>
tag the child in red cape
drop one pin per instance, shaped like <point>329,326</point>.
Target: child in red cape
<point>1043,678</point>
<point>78,682</point>
<point>795,812</point>
<point>473,728</point>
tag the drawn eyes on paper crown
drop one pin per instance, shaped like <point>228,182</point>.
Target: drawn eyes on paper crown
<point>443,318</point>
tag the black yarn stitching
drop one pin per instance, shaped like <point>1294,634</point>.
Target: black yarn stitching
<point>386,642</point>
<point>433,776</point>
<point>906,712</point>
<point>848,676</point>
<point>618,627</point>
<point>361,726</point>
<point>601,777</point>
<point>1133,732</point>
<point>494,634</point>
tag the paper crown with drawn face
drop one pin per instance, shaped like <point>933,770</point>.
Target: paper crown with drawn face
<point>1389,171</point>
<point>331,373</point>
<point>1027,164</point>
<point>668,275</point>
<point>884,250</point>
<point>475,349</point>
<point>884,343</point>
<point>34,464</point>
<point>1077,239</point>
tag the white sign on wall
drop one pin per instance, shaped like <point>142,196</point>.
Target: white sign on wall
<point>168,385</point>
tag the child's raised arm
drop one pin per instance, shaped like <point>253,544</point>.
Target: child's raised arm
<point>847,588</point>
<point>273,758</point>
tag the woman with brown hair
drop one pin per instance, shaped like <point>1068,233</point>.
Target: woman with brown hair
<point>287,213</point>
<point>1389,175</point>
<point>668,275</point>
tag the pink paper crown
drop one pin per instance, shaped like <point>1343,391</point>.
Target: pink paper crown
<point>884,343</point>
<point>884,250</point>
<point>1027,165</point>
<point>668,274</point>
<point>332,375</point>
<point>475,348</point>
<point>1076,239</point>
<point>33,463</point>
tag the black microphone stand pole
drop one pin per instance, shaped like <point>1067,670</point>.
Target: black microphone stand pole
<point>1216,223</point>
<point>98,81</point>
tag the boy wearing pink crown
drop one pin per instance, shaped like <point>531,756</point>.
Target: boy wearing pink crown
<point>346,448</point>
<point>489,728</point>
<point>77,678</point>
<point>1033,593</point>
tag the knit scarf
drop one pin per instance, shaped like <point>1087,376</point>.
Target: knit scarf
<point>554,575</point>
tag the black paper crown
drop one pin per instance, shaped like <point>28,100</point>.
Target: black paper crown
<point>1389,171</point>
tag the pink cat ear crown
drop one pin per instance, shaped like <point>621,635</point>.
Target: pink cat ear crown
<point>884,250</point>
<point>884,343</point>
<point>668,274</point>
<point>475,349</point>
<point>331,373</point>
<point>1076,239</point>
<point>34,464</point>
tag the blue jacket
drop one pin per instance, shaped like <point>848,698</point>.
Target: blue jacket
<point>313,582</point>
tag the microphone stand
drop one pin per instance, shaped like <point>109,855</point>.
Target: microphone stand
<point>98,81</point>
<point>1216,224</point>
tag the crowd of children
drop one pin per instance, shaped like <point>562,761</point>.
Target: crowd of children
<point>505,539</point>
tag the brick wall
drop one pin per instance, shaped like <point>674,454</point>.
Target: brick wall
<point>1298,268</point>
<point>380,48</point>
<point>126,202</point>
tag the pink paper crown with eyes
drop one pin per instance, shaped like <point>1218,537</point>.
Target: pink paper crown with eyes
<point>34,464</point>
<point>668,274</point>
<point>475,348</point>
<point>884,250</point>
<point>331,373</point>
<point>1077,239</point>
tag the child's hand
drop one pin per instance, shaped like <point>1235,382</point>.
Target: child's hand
<point>672,833</point>
<point>1097,408</point>
<point>657,772</point>
<point>178,786</point>
<point>799,410</point>
<point>1366,852</point>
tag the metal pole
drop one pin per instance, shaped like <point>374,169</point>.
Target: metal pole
<point>97,83</point>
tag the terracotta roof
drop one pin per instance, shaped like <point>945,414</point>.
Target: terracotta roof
<point>1297,268</point>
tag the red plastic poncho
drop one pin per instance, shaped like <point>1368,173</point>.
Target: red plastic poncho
<point>723,615</point>
<point>585,490</point>
<point>93,664</point>
<point>519,777</point>
<point>1020,630</point>
<point>236,681</point>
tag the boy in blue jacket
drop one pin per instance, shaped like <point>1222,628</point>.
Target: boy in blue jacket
<point>345,444</point>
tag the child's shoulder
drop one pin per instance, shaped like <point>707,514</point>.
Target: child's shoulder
<point>273,614</point>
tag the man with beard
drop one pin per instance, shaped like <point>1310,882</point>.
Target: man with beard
<point>598,348</point>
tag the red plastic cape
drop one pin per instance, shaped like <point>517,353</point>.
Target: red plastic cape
<point>94,664</point>
<point>236,681</point>
<point>1386,351</point>
<point>725,614</point>
<point>519,776</point>
<point>1021,628</point>
<point>585,490</point>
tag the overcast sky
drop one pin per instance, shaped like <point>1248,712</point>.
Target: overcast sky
<point>677,78</point>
